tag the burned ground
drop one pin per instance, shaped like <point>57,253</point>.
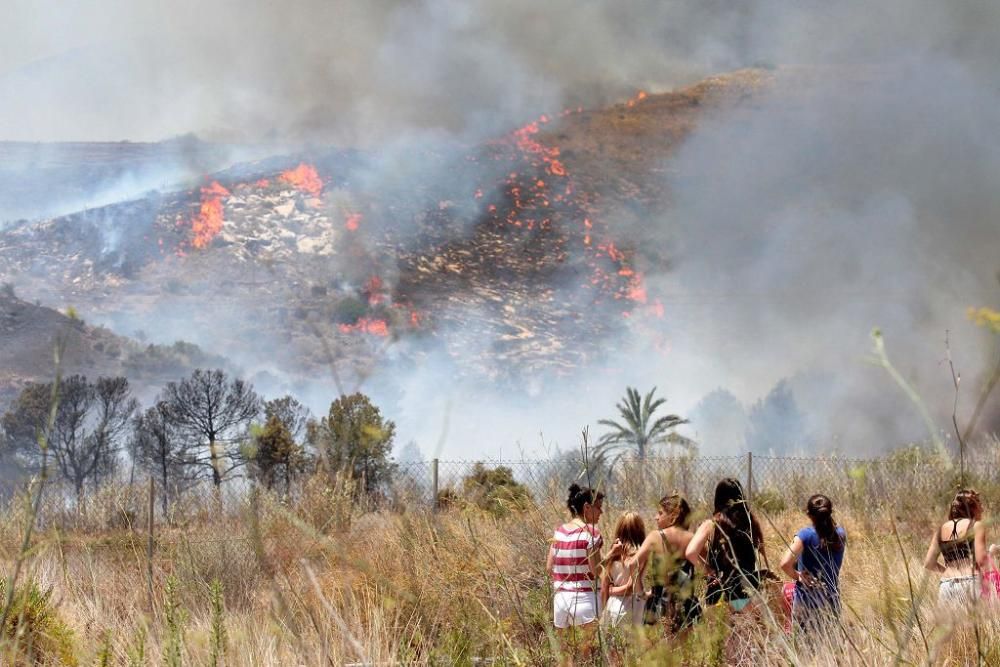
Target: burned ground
<point>523,264</point>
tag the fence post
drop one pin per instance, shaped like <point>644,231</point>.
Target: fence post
<point>750,476</point>
<point>149,542</point>
<point>434,483</point>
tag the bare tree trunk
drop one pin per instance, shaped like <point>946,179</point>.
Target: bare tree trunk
<point>163,493</point>
<point>216,463</point>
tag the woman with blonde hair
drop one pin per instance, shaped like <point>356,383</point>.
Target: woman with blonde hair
<point>672,596</point>
<point>622,595</point>
<point>961,543</point>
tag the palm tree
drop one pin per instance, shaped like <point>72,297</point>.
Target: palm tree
<point>639,430</point>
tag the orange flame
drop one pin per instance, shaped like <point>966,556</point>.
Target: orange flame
<point>352,222</point>
<point>208,223</point>
<point>372,326</point>
<point>640,96</point>
<point>375,291</point>
<point>304,178</point>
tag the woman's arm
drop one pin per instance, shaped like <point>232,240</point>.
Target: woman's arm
<point>605,587</point>
<point>791,557</point>
<point>639,558</point>
<point>758,538</point>
<point>549,558</point>
<point>695,551</point>
<point>933,550</point>
<point>982,553</point>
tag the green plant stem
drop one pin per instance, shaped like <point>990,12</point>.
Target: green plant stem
<point>35,506</point>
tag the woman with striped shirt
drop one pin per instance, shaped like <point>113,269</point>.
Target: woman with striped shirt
<point>574,560</point>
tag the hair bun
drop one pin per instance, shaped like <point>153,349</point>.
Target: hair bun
<point>574,489</point>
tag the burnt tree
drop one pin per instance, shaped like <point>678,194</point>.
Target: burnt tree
<point>89,424</point>
<point>114,406</point>
<point>215,410</point>
<point>159,450</point>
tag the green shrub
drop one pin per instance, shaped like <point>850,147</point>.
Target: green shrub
<point>769,501</point>
<point>34,631</point>
<point>349,310</point>
<point>496,491</point>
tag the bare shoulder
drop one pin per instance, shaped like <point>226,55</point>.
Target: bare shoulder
<point>679,537</point>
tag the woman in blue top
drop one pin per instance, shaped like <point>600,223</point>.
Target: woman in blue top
<point>813,561</point>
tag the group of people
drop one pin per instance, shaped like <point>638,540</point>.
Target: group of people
<point>594,585</point>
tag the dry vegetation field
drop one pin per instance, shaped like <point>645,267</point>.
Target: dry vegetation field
<point>252,581</point>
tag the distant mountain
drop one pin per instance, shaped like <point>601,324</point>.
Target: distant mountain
<point>29,335</point>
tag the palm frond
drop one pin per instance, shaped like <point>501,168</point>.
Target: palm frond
<point>634,432</point>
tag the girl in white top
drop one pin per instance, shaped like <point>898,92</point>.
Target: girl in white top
<point>622,595</point>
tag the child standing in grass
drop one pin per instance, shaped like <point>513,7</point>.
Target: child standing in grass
<point>813,562</point>
<point>622,597</point>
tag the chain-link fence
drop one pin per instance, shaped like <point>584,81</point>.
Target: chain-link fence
<point>774,484</point>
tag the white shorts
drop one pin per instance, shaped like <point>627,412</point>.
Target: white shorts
<point>959,592</point>
<point>623,611</point>
<point>571,608</point>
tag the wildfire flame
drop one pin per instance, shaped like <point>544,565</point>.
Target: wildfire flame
<point>352,222</point>
<point>530,195</point>
<point>639,97</point>
<point>375,291</point>
<point>372,326</point>
<point>304,178</point>
<point>208,223</point>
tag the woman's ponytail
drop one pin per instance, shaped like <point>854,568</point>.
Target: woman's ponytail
<point>820,510</point>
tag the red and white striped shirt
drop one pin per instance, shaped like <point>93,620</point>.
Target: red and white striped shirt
<point>570,566</point>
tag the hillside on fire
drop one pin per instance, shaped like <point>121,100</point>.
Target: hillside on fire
<point>523,247</point>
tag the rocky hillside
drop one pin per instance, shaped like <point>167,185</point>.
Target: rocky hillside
<point>515,257</point>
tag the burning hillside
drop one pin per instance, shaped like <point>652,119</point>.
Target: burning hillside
<point>522,264</point>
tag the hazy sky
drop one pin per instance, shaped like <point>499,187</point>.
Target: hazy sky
<point>354,71</point>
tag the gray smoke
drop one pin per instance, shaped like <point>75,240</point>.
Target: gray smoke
<point>863,196</point>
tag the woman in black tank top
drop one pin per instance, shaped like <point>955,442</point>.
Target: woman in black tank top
<point>728,545</point>
<point>961,543</point>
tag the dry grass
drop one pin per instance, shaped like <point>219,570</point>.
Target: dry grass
<point>382,587</point>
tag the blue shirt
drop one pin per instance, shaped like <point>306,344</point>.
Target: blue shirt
<point>823,564</point>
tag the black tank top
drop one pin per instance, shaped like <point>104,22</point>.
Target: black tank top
<point>958,550</point>
<point>732,573</point>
